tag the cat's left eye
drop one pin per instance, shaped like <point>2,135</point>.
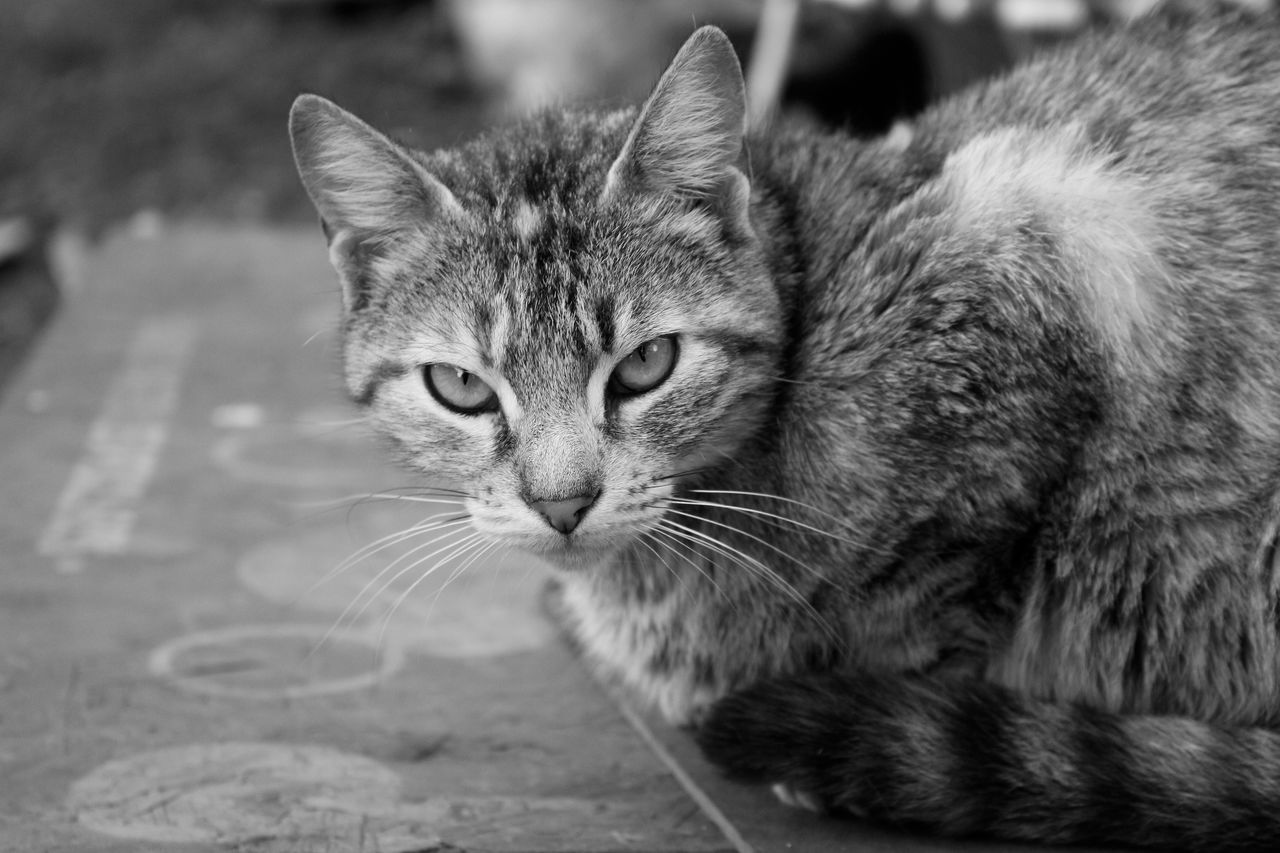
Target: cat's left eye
<point>645,367</point>
<point>459,390</point>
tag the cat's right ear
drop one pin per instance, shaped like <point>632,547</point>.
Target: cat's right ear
<point>687,142</point>
<point>367,189</point>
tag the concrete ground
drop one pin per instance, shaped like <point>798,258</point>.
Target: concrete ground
<point>199,643</point>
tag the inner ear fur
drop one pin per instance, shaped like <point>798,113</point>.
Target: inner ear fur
<point>687,143</point>
<point>366,188</point>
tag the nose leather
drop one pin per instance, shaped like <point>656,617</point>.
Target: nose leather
<point>564,515</point>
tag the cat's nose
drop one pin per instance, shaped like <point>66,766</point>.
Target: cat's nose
<point>564,515</point>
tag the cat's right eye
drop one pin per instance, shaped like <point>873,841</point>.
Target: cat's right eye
<point>459,390</point>
<point>645,368</point>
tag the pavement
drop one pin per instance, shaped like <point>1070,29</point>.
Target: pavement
<point>211,639</point>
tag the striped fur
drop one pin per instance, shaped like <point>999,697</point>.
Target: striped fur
<point>960,506</point>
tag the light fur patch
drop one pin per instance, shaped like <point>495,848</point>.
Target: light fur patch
<point>500,333</point>
<point>527,220</point>
<point>1173,754</point>
<point>625,642</point>
<point>899,136</point>
<point>1102,225</point>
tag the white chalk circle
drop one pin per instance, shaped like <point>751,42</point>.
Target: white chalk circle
<point>275,661</point>
<point>306,455</point>
<point>433,593</point>
<point>278,797</point>
<point>311,797</point>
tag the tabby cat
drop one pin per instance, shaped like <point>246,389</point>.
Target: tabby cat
<point>933,478</point>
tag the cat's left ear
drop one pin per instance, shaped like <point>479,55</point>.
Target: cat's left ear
<point>687,142</point>
<point>367,189</point>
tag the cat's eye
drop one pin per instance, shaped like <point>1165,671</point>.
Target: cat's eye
<point>459,390</point>
<point>645,367</point>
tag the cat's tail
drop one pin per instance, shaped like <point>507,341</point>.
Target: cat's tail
<point>969,758</point>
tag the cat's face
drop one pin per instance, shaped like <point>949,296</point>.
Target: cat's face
<point>562,322</point>
<point>567,398</point>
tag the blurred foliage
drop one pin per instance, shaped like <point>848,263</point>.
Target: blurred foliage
<point>108,108</point>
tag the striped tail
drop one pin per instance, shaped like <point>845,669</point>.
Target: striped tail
<point>969,758</point>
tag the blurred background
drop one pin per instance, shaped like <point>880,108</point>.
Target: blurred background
<point>135,111</point>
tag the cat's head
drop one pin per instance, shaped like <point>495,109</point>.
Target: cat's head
<point>564,319</point>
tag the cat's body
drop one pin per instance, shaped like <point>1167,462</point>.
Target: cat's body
<point>963,479</point>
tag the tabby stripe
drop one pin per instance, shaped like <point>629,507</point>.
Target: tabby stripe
<point>977,735</point>
<point>606,308</point>
<point>381,373</point>
<point>738,344</point>
<point>1111,798</point>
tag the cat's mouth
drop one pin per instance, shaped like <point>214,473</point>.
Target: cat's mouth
<point>574,553</point>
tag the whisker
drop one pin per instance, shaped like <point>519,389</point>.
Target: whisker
<point>328,423</point>
<point>750,536</point>
<point>643,539</point>
<point>346,501</point>
<point>365,552</point>
<point>746,561</point>
<point>370,598</point>
<point>346,617</point>
<point>470,545</point>
<point>671,542</point>
<point>446,500</point>
<point>843,523</point>
<point>768,515</point>
<point>427,525</point>
<point>755,566</point>
<point>691,472</point>
<point>351,502</point>
<point>771,497</point>
<point>430,490</point>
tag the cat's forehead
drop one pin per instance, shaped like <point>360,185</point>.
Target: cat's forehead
<point>549,295</point>
<point>545,279</point>
<point>557,158</point>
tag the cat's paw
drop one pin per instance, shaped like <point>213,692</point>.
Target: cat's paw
<point>684,706</point>
<point>789,795</point>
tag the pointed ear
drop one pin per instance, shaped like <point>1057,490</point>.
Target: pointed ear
<point>366,188</point>
<point>688,140</point>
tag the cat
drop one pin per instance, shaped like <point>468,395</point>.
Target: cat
<point>933,478</point>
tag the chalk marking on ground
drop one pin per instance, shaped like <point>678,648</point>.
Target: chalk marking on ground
<point>306,796</point>
<point>278,797</point>
<point>276,455</point>
<point>488,610</point>
<point>98,508</point>
<point>164,661</point>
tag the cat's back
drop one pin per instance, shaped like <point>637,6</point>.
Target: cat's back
<point>1201,72</point>
<point>1174,121</point>
<point>1153,149</point>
